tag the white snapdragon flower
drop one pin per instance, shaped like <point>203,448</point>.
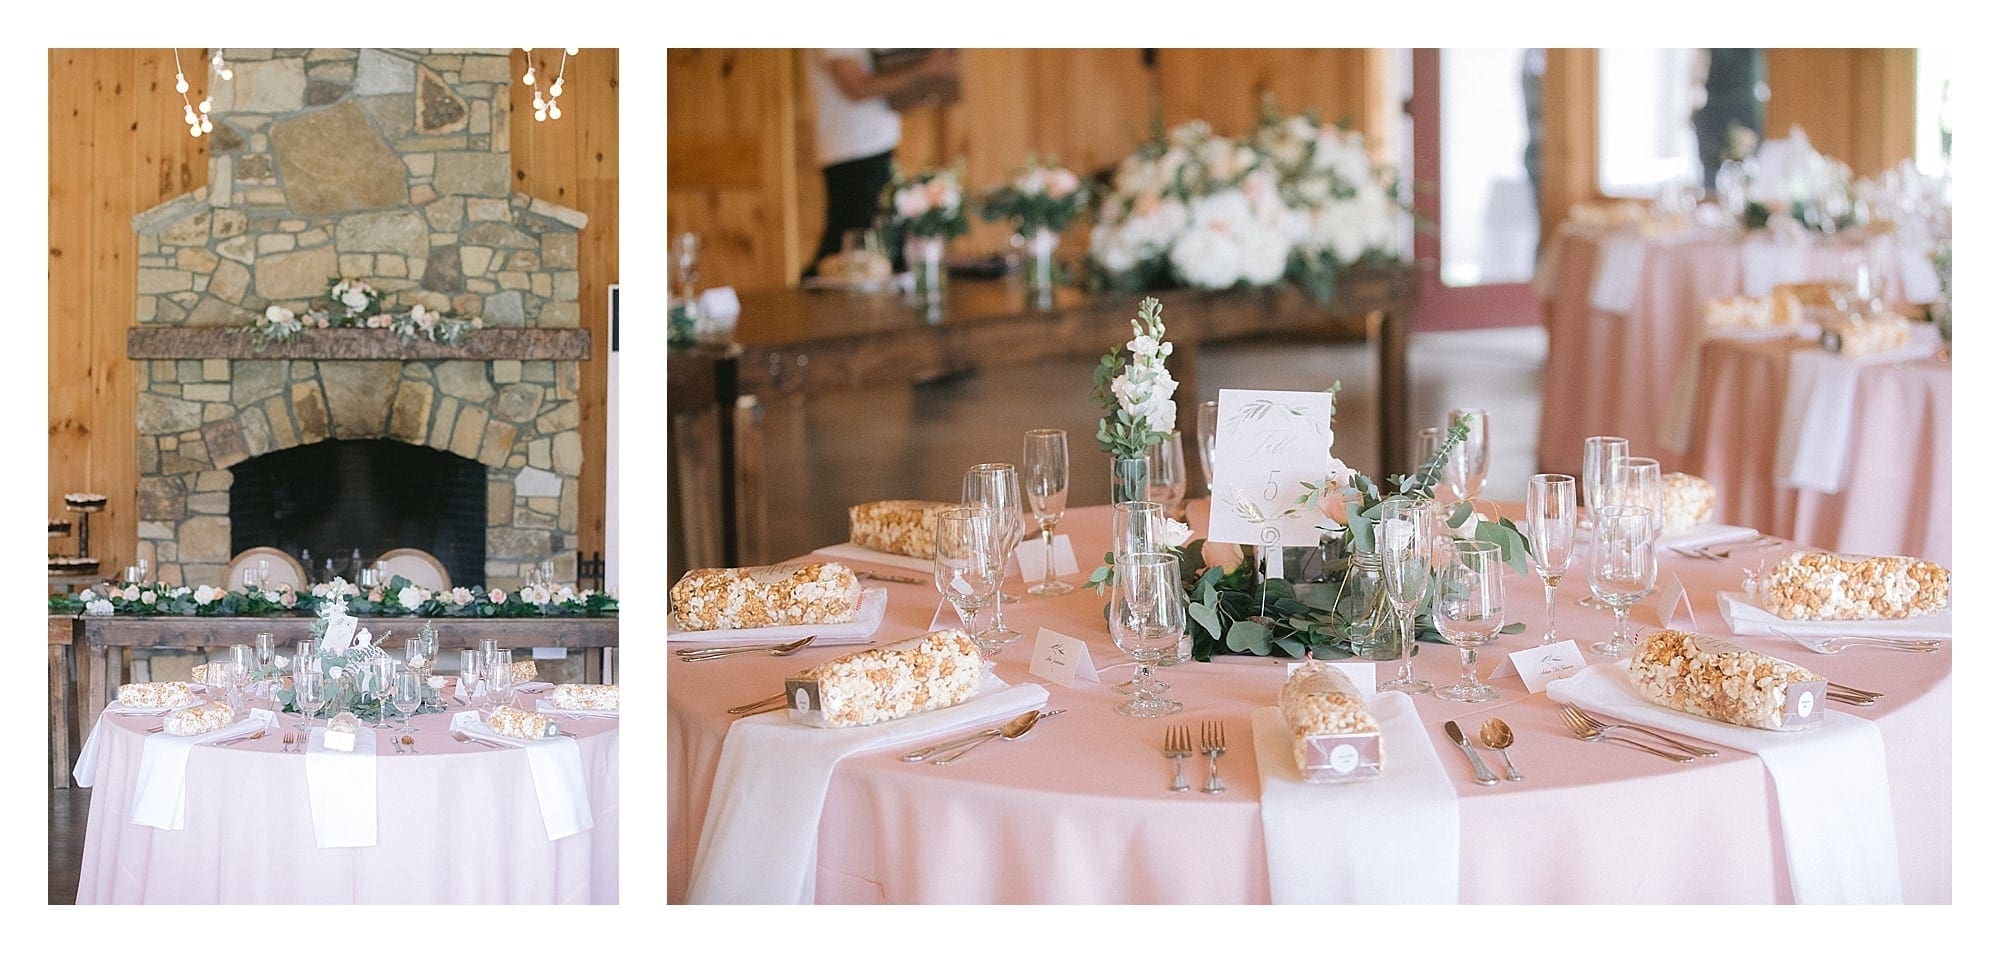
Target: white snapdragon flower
<point>1174,532</point>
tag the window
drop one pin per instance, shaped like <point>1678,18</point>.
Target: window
<point>1645,134</point>
<point>1933,110</point>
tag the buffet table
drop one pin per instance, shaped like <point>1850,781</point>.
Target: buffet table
<point>1079,811</point>
<point>1895,494</point>
<point>456,823</point>
<point>1624,310</point>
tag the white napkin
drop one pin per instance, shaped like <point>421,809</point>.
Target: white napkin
<point>1832,785</point>
<point>1920,277</point>
<point>548,707</point>
<point>555,765</point>
<point>874,603</point>
<point>1408,850</point>
<point>1745,617</point>
<point>1620,260</point>
<point>862,554</point>
<point>341,787</point>
<point>761,833</point>
<point>1767,264</point>
<point>1677,424</point>
<point>1819,412</point>
<point>1708,534</point>
<point>159,799</point>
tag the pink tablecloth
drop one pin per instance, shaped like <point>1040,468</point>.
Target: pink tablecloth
<point>1897,497</point>
<point>455,824</point>
<point>1613,373</point>
<point>1079,812</point>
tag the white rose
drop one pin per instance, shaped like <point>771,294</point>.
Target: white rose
<point>129,593</point>
<point>277,315</point>
<point>535,595</point>
<point>411,597</point>
<point>497,596</point>
<point>335,671</point>
<point>1062,183</point>
<point>354,300</point>
<point>206,594</point>
<point>97,607</point>
<point>149,597</point>
<point>1175,532</point>
<point>910,202</point>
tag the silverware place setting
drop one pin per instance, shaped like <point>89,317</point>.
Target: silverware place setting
<point>1495,735</point>
<point>1849,695</point>
<point>887,577</point>
<point>1711,551</point>
<point>724,651</point>
<point>1178,746</point>
<point>1584,730</point>
<point>1212,745</point>
<point>1480,772</point>
<point>1832,644</point>
<point>465,739</point>
<point>239,739</point>
<point>1592,721</point>
<point>1011,731</point>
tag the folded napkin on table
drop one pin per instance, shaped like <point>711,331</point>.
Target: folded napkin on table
<point>1620,261</point>
<point>556,767</point>
<point>1832,785</point>
<point>1818,421</point>
<point>1408,850</point>
<point>862,554</point>
<point>1767,264</point>
<point>1708,534</point>
<point>549,707</point>
<point>1745,617</point>
<point>874,603</point>
<point>761,832</point>
<point>159,799</point>
<point>1920,277</point>
<point>341,787</point>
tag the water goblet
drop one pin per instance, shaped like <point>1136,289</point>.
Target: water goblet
<point>499,683</point>
<point>1045,455</point>
<point>1636,481</point>
<point>408,695</point>
<point>1465,469</point>
<point>1166,474</point>
<point>1136,527</point>
<point>1403,536</point>
<point>1551,526</point>
<point>1600,455</point>
<point>1623,566</point>
<point>242,668</point>
<point>965,567</point>
<point>1469,609</point>
<point>998,485</point>
<point>309,693</point>
<point>381,684</point>
<point>1148,618</point>
<point>469,669</point>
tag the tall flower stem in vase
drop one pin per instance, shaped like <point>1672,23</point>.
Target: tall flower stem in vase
<point>1138,399</point>
<point>1129,477</point>
<point>1042,268</point>
<point>927,262</point>
<point>926,210</point>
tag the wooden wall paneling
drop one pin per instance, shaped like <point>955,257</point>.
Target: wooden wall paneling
<point>1857,105</point>
<point>573,161</point>
<point>1569,134</point>
<point>733,169</point>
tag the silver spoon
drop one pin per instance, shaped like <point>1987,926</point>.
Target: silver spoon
<point>703,655</point>
<point>1014,729</point>
<point>1496,735</point>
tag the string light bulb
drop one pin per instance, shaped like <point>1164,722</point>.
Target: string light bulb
<point>545,106</point>
<point>197,117</point>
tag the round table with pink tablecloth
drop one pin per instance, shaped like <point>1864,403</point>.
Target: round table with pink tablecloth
<point>1079,810</point>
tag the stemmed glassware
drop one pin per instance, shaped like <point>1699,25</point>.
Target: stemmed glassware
<point>309,693</point>
<point>998,486</point>
<point>1207,415</point>
<point>1623,566</point>
<point>409,696</point>
<point>965,566</point>
<point>1166,474</point>
<point>215,677</point>
<point>1636,481</point>
<point>381,684</point>
<point>1135,528</point>
<point>1469,609</point>
<point>1465,469</point>
<point>1600,455</point>
<point>1551,526</point>
<point>470,664</point>
<point>242,667</point>
<point>499,682</point>
<point>1148,618</point>
<point>1429,441</point>
<point>1045,454</point>
<point>1403,538</point>
<point>420,652</point>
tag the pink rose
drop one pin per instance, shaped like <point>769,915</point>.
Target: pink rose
<point>498,596</point>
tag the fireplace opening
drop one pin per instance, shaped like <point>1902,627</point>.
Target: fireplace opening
<point>337,496</point>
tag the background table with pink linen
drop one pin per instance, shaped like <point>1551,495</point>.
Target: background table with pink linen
<point>1897,497</point>
<point>1079,811</point>
<point>455,824</point>
<point>1611,373</point>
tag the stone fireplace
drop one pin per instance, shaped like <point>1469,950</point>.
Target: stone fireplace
<point>392,167</point>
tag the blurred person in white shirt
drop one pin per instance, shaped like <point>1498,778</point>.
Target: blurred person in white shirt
<point>857,133</point>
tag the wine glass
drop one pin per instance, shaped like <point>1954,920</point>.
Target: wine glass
<point>408,694</point>
<point>420,652</point>
<point>242,668</point>
<point>1403,538</point>
<point>499,682</point>
<point>1135,527</point>
<point>468,672</point>
<point>1623,565</point>
<point>256,575</point>
<point>965,566</point>
<point>998,485</point>
<point>1599,455</point>
<point>1465,469</point>
<point>1636,481</point>
<point>1148,618</point>
<point>370,578</point>
<point>1045,455</point>
<point>215,677</point>
<point>1207,415</point>
<point>1551,535</point>
<point>381,684</point>
<point>267,649</point>
<point>1166,474</point>
<point>1469,609</point>
<point>309,692</point>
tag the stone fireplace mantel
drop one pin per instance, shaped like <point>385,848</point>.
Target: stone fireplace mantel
<point>357,344</point>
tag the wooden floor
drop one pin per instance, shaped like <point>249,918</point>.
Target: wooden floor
<point>914,443</point>
<point>68,809</point>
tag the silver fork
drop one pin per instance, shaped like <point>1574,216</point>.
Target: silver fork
<point>1211,745</point>
<point>1178,746</point>
<point>1758,543</point>
<point>1837,643</point>
<point>1693,553</point>
<point>1607,727</point>
<point>1584,731</point>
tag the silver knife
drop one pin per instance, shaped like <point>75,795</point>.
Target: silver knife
<point>1478,767</point>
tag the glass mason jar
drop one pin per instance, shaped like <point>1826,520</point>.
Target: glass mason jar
<point>1364,613</point>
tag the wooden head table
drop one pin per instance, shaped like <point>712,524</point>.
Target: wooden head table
<point>809,342</point>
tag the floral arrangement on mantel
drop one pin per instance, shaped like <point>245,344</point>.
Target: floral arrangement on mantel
<point>1044,197</point>
<point>1138,398</point>
<point>1293,199</point>
<point>397,597</point>
<point>351,303</point>
<point>929,204</point>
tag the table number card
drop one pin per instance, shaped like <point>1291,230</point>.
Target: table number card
<point>1060,659</point>
<point>1033,551</point>
<point>1268,443</point>
<point>1542,664</point>
<point>339,634</point>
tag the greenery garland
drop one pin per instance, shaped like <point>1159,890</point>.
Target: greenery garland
<point>398,598</point>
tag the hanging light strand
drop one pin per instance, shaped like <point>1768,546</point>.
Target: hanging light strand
<point>196,114</point>
<point>546,107</point>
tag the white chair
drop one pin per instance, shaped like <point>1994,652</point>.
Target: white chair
<point>279,567</point>
<point>419,567</point>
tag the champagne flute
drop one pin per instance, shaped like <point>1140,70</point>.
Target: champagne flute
<point>1551,535</point>
<point>965,566</point>
<point>381,681</point>
<point>1148,618</point>
<point>1045,455</point>
<point>242,668</point>
<point>469,661</point>
<point>1465,469</point>
<point>1166,479</point>
<point>998,485</point>
<point>1470,608</point>
<point>1599,455</point>
<point>408,693</point>
<point>1636,481</point>
<point>1207,416</point>
<point>309,692</point>
<point>1403,537</point>
<point>1623,566</point>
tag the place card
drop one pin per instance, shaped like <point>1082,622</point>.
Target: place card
<point>1032,552</point>
<point>1362,674</point>
<point>1269,445</point>
<point>946,617</point>
<point>1060,659</point>
<point>1673,599</point>
<point>1542,664</point>
<point>340,631</point>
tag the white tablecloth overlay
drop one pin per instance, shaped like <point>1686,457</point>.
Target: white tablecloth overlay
<point>1620,262</point>
<point>1767,264</point>
<point>341,786</point>
<point>159,799</point>
<point>758,844</point>
<point>1818,418</point>
<point>1832,786</point>
<point>1406,852</point>
<point>556,767</point>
